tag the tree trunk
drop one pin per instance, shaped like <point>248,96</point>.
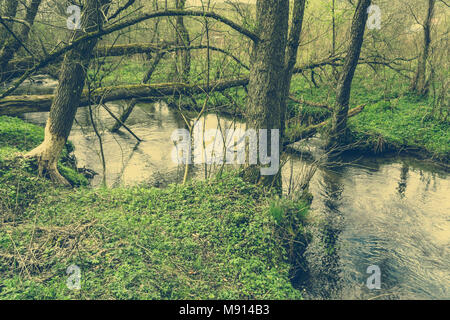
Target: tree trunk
<point>68,93</point>
<point>333,36</point>
<point>265,93</point>
<point>291,55</point>
<point>183,57</point>
<point>10,10</point>
<point>340,112</point>
<point>12,44</point>
<point>420,84</point>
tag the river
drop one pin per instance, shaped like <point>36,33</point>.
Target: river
<point>392,212</point>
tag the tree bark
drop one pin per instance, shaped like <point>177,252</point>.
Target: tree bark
<point>420,84</point>
<point>183,57</point>
<point>265,89</point>
<point>12,44</point>
<point>68,93</point>
<point>291,54</point>
<point>340,112</point>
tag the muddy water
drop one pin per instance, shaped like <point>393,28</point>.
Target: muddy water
<point>392,213</point>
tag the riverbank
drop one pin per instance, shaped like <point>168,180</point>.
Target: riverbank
<point>393,121</point>
<point>404,125</point>
<point>207,240</point>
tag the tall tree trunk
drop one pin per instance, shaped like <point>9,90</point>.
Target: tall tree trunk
<point>68,93</point>
<point>333,40</point>
<point>183,57</point>
<point>9,9</point>
<point>420,84</point>
<point>265,89</point>
<point>291,54</point>
<point>12,44</point>
<point>340,109</point>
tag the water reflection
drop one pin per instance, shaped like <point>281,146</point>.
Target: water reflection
<point>403,180</point>
<point>393,213</point>
<point>406,234</point>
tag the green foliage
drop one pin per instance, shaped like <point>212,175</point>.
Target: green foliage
<point>392,120</point>
<point>17,136</point>
<point>205,240</point>
<point>292,229</point>
<point>16,133</point>
<point>402,123</point>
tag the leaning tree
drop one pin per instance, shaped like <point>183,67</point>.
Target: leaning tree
<point>71,83</point>
<point>340,109</point>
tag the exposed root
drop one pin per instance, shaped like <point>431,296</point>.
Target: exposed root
<point>47,155</point>
<point>48,169</point>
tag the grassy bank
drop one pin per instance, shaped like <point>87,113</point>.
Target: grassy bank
<point>405,124</point>
<point>393,120</point>
<point>206,240</point>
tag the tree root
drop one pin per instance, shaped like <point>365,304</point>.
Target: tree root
<point>47,169</point>
<point>47,155</point>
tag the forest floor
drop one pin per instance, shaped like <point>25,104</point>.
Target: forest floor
<point>206,240</point>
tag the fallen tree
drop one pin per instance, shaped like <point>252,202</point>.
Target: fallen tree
<point>13,105</point>
<point>309,103</point>
<point>119,26</point>
<point>303,133</point>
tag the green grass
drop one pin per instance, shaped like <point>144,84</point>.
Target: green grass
<point>202,241</point>
<point>206,240</point>
<point>17,136</point>
<point>393,120</point>
<point>403,123</point>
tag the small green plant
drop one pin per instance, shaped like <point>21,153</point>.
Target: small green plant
<point>291,218</point>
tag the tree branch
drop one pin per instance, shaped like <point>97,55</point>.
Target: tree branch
<point>97,34</point>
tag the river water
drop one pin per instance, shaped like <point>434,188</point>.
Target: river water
<point>374,211</point>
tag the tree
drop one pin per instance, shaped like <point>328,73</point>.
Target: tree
<point>68,93</point>
<point>420,84</point>
<point>267,74</point>
<point>183,57</point>
<point>291,53</point>
<point>13,42</point>
<point>340,109</point>
<point>7,10</point>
